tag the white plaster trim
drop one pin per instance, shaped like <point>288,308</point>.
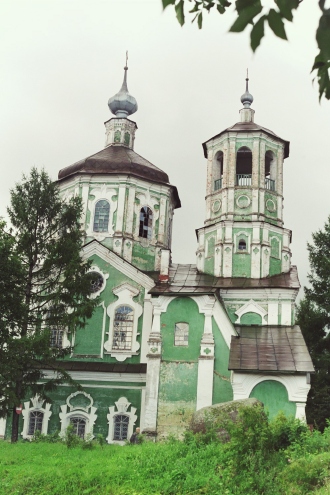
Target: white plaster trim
<point>122,406</point>
<point>95,248</point>
<point>2,428</point>
<point>73,408</point>
<point>247,235</point>
<point>296,385</point>
<point>37,405</point>
<point>90,416</point>
<point>251,307</point>
<point>107,193</point>
<point>224,323</point>
<point>125,293</point>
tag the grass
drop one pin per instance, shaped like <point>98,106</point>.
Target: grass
<point>261,458</point>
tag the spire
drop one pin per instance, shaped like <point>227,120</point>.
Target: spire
<point>247,113</point>
<point>247,98</point>
<point>123,104</point>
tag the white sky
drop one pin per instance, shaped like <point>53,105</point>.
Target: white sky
<point>61,60</point>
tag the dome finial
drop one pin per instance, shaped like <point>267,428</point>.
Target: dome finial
<point>247,98</point>
<point>123,104</point>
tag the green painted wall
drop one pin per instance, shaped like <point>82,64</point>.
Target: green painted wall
<point>143,257</point>
<point>274,397</point>
<point>222,389</point>
<point>251,319</point>
<point>88,340</point>
<point>209,259</point>
<point>103,399</point>
<point>182,309</point>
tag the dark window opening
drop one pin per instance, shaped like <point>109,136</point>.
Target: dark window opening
<point>79,426</point>
<point>35,422</point>
<point>244,167</point>
<point>120,430</point>
<point>242,245</point>
<point>145,229</point>
<point>123,328</point>
<point>218,171</point>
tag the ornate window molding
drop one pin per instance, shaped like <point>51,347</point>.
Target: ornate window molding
<point>121,421</point>
<point>125,293</point>
<point>100,193</point>
<point>78,413</point>
<point>101,216</point>
<point>241,237</point>
<point>251,307</point>
<point>35,417</point>
<point>146,200</point>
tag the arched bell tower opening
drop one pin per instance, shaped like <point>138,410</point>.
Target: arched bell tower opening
<point>244,166</point>
<point>270,171</point>
<point>217,172</point>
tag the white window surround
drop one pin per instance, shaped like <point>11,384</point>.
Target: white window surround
<point>246,238</point>
<point>251,307</point>
<point>37,405</point>
<point>125,293</point>
<point>122,406</point>
<point>68,410</point>
<point>107,193</point>
<point>105,276</point>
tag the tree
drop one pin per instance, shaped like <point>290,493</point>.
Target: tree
<point>44,288</point>
<point>254,13</point>
<point>313,316</point>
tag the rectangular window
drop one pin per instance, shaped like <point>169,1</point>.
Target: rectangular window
<point>181,334</point>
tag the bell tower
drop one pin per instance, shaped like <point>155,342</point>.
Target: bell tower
<point>243,233</point>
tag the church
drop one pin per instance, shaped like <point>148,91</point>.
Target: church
<point>168,339</point>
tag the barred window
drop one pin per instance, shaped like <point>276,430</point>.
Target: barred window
<point>79,425</point>
<point>35,422</point>
<point>120,429</point>
<point>101,217</point>
<point>123,328</point>
<point>181,334</point>
<point>145,229</point>
<point>56,337</point>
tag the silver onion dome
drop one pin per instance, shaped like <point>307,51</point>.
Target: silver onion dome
<point>123,104</point>
<point>247,98</point>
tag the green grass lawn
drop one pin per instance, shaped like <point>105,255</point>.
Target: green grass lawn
<point>261,458</point>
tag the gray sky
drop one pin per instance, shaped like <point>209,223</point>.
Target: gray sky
<point>61,60</point>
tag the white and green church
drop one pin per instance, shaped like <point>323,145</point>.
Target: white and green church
<point>168,339</point>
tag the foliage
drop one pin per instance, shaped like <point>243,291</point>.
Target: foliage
<point>313,316</point>
<point>255,13</point>
<point>44,286</point>
<point>287,459</point>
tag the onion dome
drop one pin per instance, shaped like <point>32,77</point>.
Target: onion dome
<point>247,98</point>
<point>123,104</point>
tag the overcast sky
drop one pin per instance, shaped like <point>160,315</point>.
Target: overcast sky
<point>61,60</point>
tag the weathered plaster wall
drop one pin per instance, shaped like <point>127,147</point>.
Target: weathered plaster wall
<point>222,389</point>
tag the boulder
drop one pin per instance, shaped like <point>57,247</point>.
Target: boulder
<point>217,416</point>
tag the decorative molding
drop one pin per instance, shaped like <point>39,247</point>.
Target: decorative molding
<point>37,405</point>
<point>251,307</point>
<point>122,406</point>
<point>88,413</point>
<point>105,276</point>
<point>107,193</point>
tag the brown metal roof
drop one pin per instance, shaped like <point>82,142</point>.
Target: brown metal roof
<point>250,127</point>
<point>119,160</point>
<point>185,279</point>
<point>271,348</point>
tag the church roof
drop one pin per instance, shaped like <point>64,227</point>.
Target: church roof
<point>269,348</point>
<point>249,127</point>
<point>185,279</point>
<point>119,160</point>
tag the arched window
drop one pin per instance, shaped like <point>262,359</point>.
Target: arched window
<point>145,229</point>
<point>79,425</point>
<point>101,216</point>
<point>120,427</point>
<point>35,422</point>
<point>242,245</point>
<point>181,334</point>
<point>244,167</point>
<point>217,172</point>
<point>270,170</point>
<point>123,328</point>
